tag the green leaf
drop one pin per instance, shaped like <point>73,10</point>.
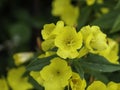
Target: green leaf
<point>39,63</point>
<point>116,26</point>
<point>106,21</point>
<point>84,15</point>
<point>98,63</point>
<point>78,68</point>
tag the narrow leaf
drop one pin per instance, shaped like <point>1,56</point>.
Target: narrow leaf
<point>39,63</point>
<point>107,20</point>
<point>116,26</point>
<point>99,63</point>
<point>78,69</point>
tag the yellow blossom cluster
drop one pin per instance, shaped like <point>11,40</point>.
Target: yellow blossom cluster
<point>72,44</point>
<point>68,43</point>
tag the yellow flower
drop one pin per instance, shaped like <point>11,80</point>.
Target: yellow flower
<point>66,11</point>
<point>94,39</point>
<point>111,53</point>
<point>49,33</point>
<point>76,83</point>
<point>90,2</point>
<point>113,86</point>
<point>100,1</point>
<point>17,81</point>
<point>50,30</point>
<point>47,84</point>
<point>97,85</point>
<point>104,10</point>
<point>56,75</point>
<point>46,31</point>
<point>20,58</point>
<point>68,42</point>
<point>58,28</point>
<point>3,84</point>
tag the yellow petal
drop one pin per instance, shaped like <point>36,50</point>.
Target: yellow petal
<point>48,44</point>
<point>16,80</point>
<point>20,58</point>
<point>111,53</point>
<point>97,85</point>
<point>3,84</point>
<point>113,86</point>
<point>76,83</point>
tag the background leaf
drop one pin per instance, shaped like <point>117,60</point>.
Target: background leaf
<point>107,20</point>
<point>98,63</point>
<point>116,25</point>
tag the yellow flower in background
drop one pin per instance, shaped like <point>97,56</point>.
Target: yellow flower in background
<point>70,15</point>
<point>20,58</point>
<point>90,2</point>
<point>97,85</point>
<point>111,53</point>
<point>66,11</point>
<point>68,42</point>
<point>104,10</point>
<point>113,86</point>
<point>3,84</point>
<point>76,83</point>
<point>100,1</point>
<point>59,6</point>
<point>94,39</point>
<point>17,81</point>
<point>56,75</point>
